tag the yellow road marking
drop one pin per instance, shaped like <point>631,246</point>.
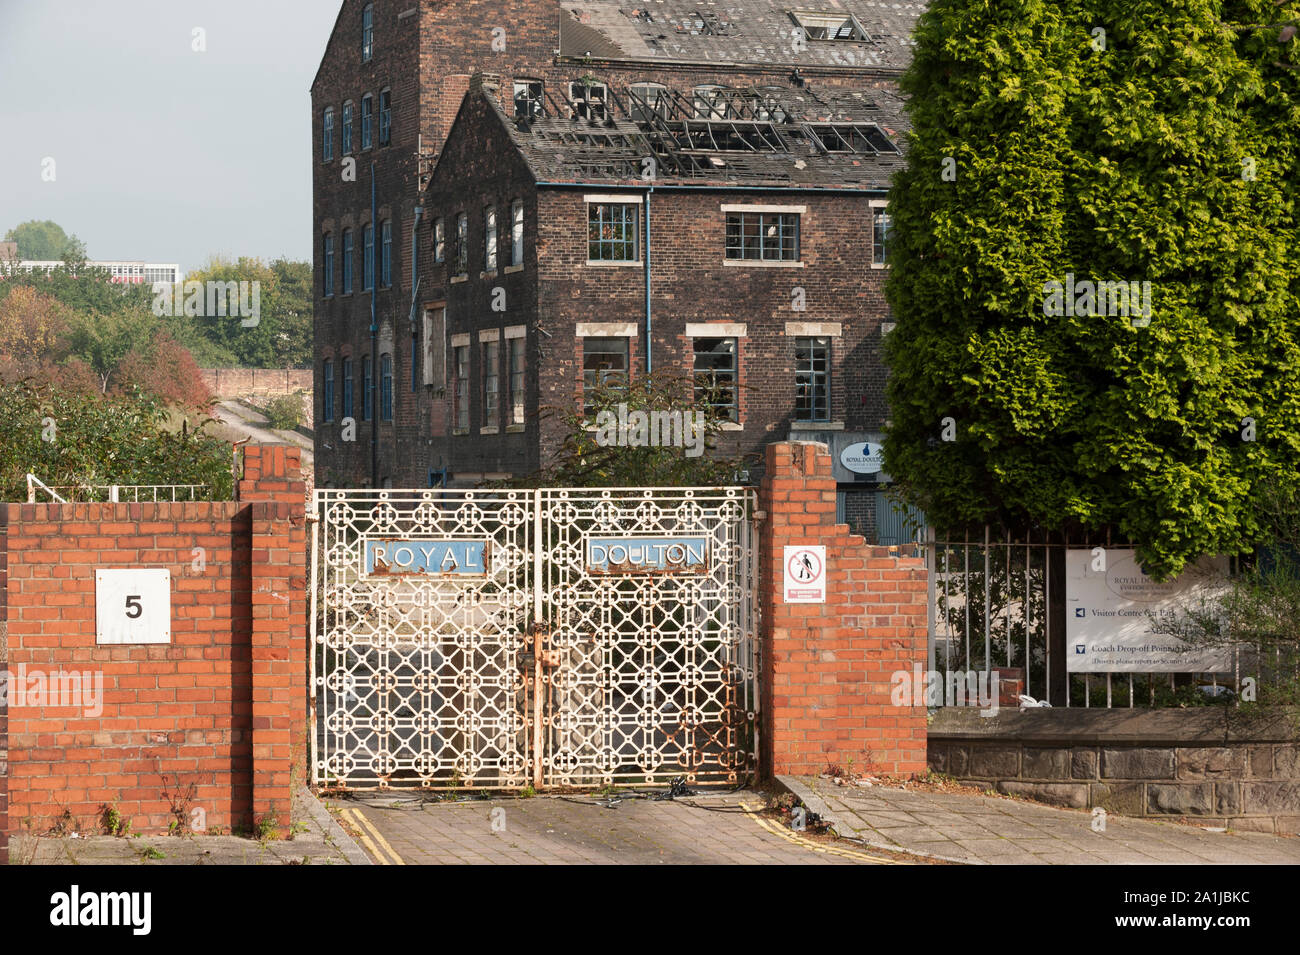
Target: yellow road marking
<point>364,826</point>
<point>806,843</point>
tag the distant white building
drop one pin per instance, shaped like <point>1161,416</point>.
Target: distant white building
<point>122,273</point>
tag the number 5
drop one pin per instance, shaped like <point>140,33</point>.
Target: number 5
<point>133,608</point>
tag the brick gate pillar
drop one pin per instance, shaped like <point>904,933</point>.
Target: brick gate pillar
<point>827,667</point>
<point>4,675</point>
<point>273,485</point>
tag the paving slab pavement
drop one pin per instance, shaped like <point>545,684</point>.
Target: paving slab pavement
<point>985,830</point>
<point>317,840</point>
<point>703,829</point>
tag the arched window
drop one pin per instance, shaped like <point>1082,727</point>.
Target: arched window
<point>710,102</point>
<point>386,253</point>
<point>367,258</point>
<point>347,388</point>
<point>647,101</point>
<point>517,232</point>
<point>327,134</point>
<point>368,33</point>
<point>327,265</point>
<point>367,383</point>
<point>462,245</point>
<point>386,387</point>
<point>347,261</point>
<point>490,240</point>
<point>367,120</point>
<point>327,393</point>
<point>385,117</point>
<point>347,128</point>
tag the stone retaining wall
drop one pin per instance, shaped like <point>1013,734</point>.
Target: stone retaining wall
<point>1213,766</point>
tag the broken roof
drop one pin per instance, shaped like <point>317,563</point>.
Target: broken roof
<point>766,32</point>
<point>768,136</point>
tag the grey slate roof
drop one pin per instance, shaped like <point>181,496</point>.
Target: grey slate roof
<point>735,32</point>
<point>789,144</point>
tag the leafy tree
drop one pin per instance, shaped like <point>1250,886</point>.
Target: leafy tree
<point>81,289</point>
<point>33,327</point>
<point>282,335</point>
<point>1117,140</point>
<point>165,370</point>
<point>66,438</point>
<point>104,341</point>
<point>43,241</point>
<point>1259,616</point>
<point>292,307</point>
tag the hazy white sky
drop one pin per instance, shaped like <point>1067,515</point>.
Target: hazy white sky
<point>162,153</point>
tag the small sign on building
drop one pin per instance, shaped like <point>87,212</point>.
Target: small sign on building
<point>133,605</point>
<point>805,575</point>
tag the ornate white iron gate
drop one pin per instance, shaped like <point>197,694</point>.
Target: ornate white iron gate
<point>533,637</point>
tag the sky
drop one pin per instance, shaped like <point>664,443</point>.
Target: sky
<point>162,153</point>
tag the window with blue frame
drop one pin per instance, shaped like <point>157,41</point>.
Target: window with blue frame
<point>327,396</point>
<point>368,257</point>
<point>347,261</point>
<point>327,266</point>
<point>347,387</point>
<point>327,135</point>
<point>367,386</point>
<point>386,254</point>
<point>347,128</point>
<point>385,117</point>
<point>367,120</point>
<point>368,33</point>
<point>611,232</point>
<point>386,387</point>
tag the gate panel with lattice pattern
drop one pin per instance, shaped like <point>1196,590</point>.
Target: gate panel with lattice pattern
<point>465,638</point>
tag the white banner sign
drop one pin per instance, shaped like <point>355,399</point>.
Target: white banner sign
<point>1119,620</point>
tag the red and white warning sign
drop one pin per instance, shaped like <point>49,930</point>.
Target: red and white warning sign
<point>805,575</point>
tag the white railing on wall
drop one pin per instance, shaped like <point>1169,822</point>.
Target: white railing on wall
<point>115,493</point>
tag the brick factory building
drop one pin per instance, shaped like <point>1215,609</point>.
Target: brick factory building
<point>564,190</point>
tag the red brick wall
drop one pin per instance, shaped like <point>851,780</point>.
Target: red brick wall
<point>4,699</point>
<point>213,720</point>
<point>826,667</point>
<point>256,382</point>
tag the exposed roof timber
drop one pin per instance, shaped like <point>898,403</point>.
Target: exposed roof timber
<point>761,134</point>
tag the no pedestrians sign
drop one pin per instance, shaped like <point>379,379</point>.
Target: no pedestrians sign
<point>805,575</point>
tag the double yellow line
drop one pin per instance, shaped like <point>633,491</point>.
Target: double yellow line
<point>371,837</point>
<point>788,836</point>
